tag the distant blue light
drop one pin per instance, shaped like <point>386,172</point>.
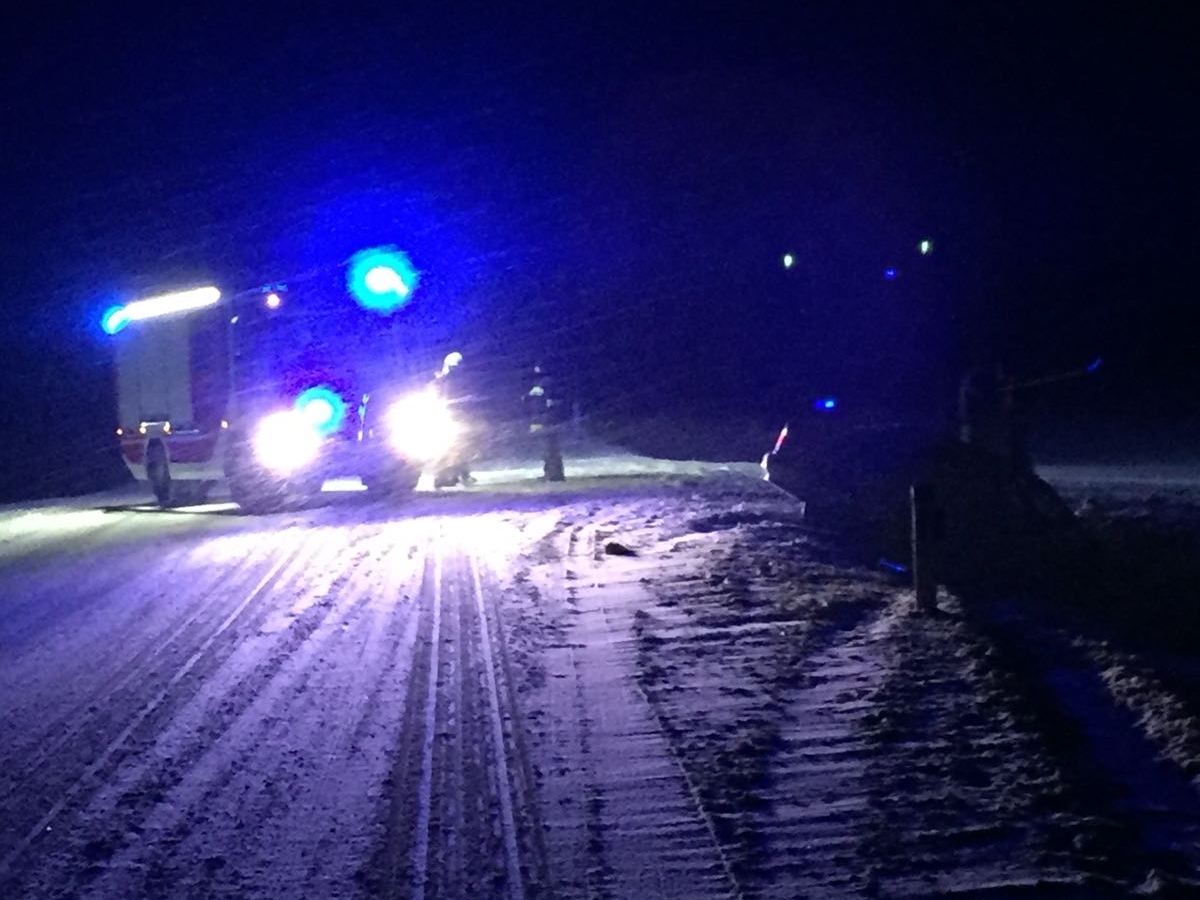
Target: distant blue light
<point>1095,364</point>
<point>889,274</point>
<point>381,279</point>
<point>322,408</point>
<point>825,404</point>
<point>894,566</point>
<point>114,319</point>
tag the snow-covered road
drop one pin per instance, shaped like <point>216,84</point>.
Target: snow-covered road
<point>651,681</point>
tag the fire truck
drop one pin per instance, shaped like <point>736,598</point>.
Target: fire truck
<point>272,392</point>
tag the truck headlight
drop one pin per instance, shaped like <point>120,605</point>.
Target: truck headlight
<point>286,442</point>
<point>421,427</point>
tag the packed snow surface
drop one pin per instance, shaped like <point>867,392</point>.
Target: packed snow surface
<point>655,679</point>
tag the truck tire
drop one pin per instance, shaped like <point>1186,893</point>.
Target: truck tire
<point>251,487</point>
<point>189,493</point>
<point>158,473</point>
<point>397,480</point>
<point>307,487</point>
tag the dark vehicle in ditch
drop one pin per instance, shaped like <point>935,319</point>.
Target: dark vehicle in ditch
<point>993,520</point>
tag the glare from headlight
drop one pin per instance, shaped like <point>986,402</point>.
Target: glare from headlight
<point>421,427</point>
<point>285,442</point>
<point>318,412</point>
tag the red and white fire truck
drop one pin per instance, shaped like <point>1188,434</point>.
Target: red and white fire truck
<point>271,393</point>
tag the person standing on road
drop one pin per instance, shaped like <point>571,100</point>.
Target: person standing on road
<point>546,411</point>
<point>449,383</point>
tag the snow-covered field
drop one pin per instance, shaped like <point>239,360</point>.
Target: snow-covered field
<point>652,680</point>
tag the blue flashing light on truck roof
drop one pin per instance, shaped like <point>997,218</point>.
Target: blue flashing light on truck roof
<point>381,279</point>
<point>118,317</point>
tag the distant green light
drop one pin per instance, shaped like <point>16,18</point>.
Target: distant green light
<point>788,260</point>
<point>926,247</point>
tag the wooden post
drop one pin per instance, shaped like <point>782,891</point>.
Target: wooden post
<point>926,535</point>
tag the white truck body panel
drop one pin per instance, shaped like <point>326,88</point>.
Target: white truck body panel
<point>154,382</point>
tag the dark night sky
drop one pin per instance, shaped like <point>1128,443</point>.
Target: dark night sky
<point>620,183</point>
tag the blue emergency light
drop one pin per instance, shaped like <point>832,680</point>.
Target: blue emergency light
<point>381,279</point>
<point>114,319</point>
<point>825,404</point>
<point>322,407</point>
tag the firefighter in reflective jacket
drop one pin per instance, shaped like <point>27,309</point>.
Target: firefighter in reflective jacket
<point>546,416</point>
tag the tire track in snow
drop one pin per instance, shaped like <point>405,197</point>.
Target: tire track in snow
<point>393,871</point>
<point>43,745</point>
<point>112,750</point>
<point>460,812</point>
<point>483,838</point>
<point>431,839</point>
<point>267,747</point>
<point>177,729</point>
<point>535,868</point>
<point>86,601</point>
<point>260,745</point>
<point>495,713</point>
<point>420,849</point>
<point>1139,810</point>
<point>622,817</point>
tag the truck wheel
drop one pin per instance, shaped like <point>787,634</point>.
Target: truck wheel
<point>308,484</point>
<point>397,481</point>
<point>250,486</point>
<point>189,493</point>
<point>158,472</point>
<point>256,495</point>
